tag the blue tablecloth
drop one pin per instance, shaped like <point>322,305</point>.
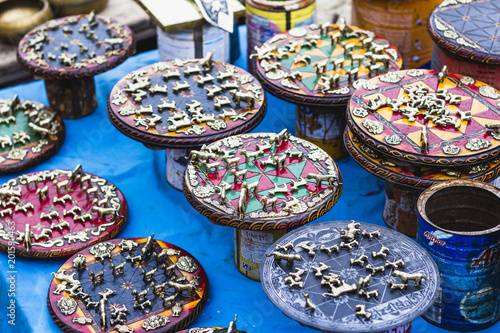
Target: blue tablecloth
<point>157,207</point>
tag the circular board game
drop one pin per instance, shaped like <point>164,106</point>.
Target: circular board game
<point>131,285</point>
<point>322,65</point>
<point>186,103</point>
<point>428,117</point>
<point>29,134</point>
<point>52,214</point>
<point>346,276</point>
<point>262,181</point>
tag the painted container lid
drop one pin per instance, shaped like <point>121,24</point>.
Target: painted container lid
<point>349,277</point>
<point>143,285</point>
<point>262,181</point>
<point>186,103</point>
<point>75,46</point>
<point>56,213</point>
<point>322,65</point>
<point>427,117</point>
<point>30,133</point>
<point>415,175</point>
<point>467,29</point>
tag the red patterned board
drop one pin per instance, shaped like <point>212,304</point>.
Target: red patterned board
<point>128,285</point>
<point>390,112</point>
<point>75,46</point>
<point>289,64</point>
<point>417,176</point>
<point>52,214</point>
<point>468,29</point>
<point>29,134</point>
<point>186,102</point>
<point>267,194</point>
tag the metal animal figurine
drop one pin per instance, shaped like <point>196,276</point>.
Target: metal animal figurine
<point>96,277</point>
<point>240,96</point>
<point>228,161</point>
<point>370,235</point>
<point>368,294</point>
<point>375,270</point>
<point>382,253</point>
<point>60,226</point>
<point>294,154</point>
<point>167,300</point>
<point>330,179</point>
<point>405,277</point>
<point>311,250</point>
<point>287,247</point>
<point>289,258</point>
<point>63,199</point>
<point>117,269</point>
<point>238,174</point>
<point>176,310</point>
<point>148,276</point>
<point>332,280</point>
<point>24,208</point>
<point>128,245</point>
<point>44,234</point>
<point>267,201</point>
<point>330,249</point>
<point>249,155</point>
<point>318,270</point>
<point>221,191</point>
<point>361,311</point>
<point>279,189</point>
<point>396,286</point>
<point>364,282</point>
<point>360,261</point>
<point>190,287</point>
<point>52,215</point>
<point>280,137</point>
<point>142,306</point>
<point>309,304</point>
<point>349,246</point>
<point>395,264</point>
<point>343,289</point>
<point>138,296</point>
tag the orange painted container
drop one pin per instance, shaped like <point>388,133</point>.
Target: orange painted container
<point>402,22</point>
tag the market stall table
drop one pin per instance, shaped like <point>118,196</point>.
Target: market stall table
<point>180,105</point>
<point>317,68</point>
<point>154,206</point>
<point>263,185</point>
<point>68,52</point>
<point>417,127</point>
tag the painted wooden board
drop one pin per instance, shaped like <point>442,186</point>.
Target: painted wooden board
<point>289,64</point>
<point>266,195</point>
<point>467,29</point>
<point>333,280</point>
<point>75,46</point>
<point>414,175</point>
<point>159,288</point>
<point>56,213</point>
<point>186,103</point>
<point>29,134</point>
<point>389,113</point>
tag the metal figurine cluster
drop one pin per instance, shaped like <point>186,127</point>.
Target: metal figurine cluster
<point>30,127</point>
<point>230,329</point>
<point>174,83</point>
<point>131,285</point>
<point>55,212</point>
<point>334,282</point>
<point>262,175</point>
<point>347,53</point>
<point>83,41</point>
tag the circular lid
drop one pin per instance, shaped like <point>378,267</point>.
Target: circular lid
<point>186,103</point>
<point>415,175</point>
<point>52,214</point>
<point>315,65</point>
<point>75,46</point>
<point>132,285</point>
<point>262,181</point>
<point>341,274</point>
<point>29,134</point>
<point>468,29</point>
<point>398,113</point>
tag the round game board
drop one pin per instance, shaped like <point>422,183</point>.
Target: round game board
<point>51,214</point>
<point>327,288</point>
<point>29,134</point>
<point>467,29</point>
<point>289,65</point>
<point>284,182</point>
<point>414,175</point>
<point>186,103</point>
<point>131,285</point>
<point>390,113</point>
<point>75,46</point>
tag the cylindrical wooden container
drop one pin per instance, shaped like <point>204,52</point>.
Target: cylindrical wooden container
<point>401,22</point>
<point>468,45</point>
<point>267,18</point>
<point>458,225</point>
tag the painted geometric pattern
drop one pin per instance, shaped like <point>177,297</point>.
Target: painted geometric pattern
<point>483,111</point>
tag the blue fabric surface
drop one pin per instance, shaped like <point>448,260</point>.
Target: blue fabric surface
<point>154,206</point>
